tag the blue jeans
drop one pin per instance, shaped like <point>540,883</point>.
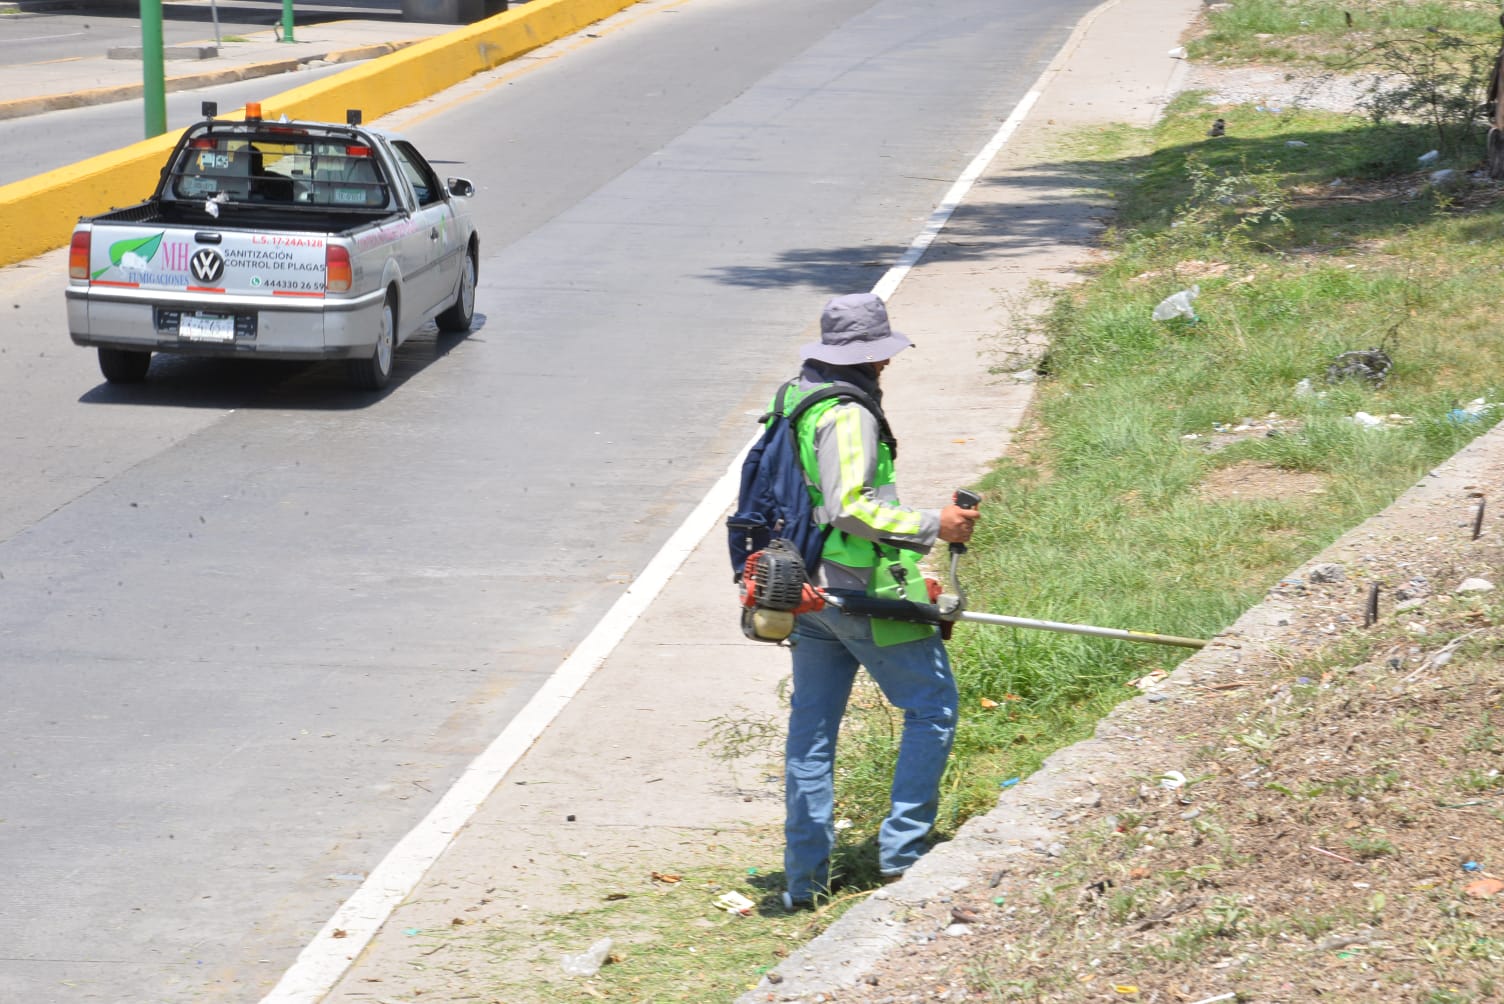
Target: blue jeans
<point>829,647</point>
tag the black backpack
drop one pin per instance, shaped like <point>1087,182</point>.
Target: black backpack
<point>774,502</point>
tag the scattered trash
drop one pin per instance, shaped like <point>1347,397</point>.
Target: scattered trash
<point>1177,53</point>
<point>1149,681</point>
<point>1219,128</point>
<point>1303,389</point>
<point>412,932</point>
<point>588,962</point>
<point>1474,585</point>
<point>1471,866</point>
<point>1372,365</point>
<point>1026,375</point>
<point>1177,305</point>
<point>1171,780</point>
<point>843,824</point>
<point>665,877</point>
<point>735,902</point>
<point>1429,157</point>
<point>964,915</point>
<point>1446,176</point>
<point>1484,888</point>
<point>1366,420</point>
<point>1009,783</point>
<point>1274,109</point>
<point>1473,411</point>
<point>1296,142</point>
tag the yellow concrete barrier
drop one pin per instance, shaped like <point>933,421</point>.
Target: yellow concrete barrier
<point>38,213</point>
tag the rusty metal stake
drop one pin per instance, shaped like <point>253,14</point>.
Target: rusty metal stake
<point>1478,518</point>
<point>1371,609</point>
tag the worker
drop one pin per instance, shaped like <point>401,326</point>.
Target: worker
<point>873,548</point>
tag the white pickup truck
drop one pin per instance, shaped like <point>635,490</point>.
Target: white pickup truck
<point>283,240</point>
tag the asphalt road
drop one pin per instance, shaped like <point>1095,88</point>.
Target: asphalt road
<point>97,129</point>
<point>253,623</point>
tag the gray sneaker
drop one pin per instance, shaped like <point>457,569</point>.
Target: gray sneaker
<point>792,905</point>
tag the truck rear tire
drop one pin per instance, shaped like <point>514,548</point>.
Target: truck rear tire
<point>458,317</point>
<point>375,371</point>
<point>123,365</point>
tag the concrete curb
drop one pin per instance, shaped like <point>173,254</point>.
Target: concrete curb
<point>38,214</point>
<point>40,103</point>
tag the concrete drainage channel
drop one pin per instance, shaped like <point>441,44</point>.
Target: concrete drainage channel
<point>1036,817</point>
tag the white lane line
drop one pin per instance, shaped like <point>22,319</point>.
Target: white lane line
<point>888,284</point>
<point>320,965</point>
<point>41,38</point>
<point>324,960</point>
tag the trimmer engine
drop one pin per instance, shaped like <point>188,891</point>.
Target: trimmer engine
<point>775,588</point>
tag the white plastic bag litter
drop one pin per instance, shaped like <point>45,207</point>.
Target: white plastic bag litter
<point>1177,305</point>
<point>588,962</point>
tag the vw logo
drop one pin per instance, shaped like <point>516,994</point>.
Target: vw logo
<point>207,265</point>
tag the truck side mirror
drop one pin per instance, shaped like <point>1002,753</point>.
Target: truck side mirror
<point>461,187</point>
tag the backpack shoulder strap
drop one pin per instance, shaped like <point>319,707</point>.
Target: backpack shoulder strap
<point>847,393</point>
<point>778,399</point>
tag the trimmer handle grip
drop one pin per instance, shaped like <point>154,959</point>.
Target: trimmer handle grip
<point>966,500</point>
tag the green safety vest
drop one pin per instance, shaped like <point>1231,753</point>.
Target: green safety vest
<point>858,552</point>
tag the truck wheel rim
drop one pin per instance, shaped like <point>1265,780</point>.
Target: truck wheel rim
<point>467,287</point>
<point>384,343</point>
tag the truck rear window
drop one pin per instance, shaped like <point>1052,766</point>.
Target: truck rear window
<point>285,169</point>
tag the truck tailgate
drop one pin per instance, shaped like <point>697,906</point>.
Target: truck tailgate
<point>208,262</point>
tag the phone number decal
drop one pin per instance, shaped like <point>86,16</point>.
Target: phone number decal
<point>299,285</point>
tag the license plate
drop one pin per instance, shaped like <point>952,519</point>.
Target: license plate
<point>206,327</point>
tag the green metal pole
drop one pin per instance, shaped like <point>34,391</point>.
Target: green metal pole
<point>287,21</point>
<point>153,76</point>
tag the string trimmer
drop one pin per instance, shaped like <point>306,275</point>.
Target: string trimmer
<point>776,588</point>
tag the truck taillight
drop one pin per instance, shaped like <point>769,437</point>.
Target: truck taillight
<point>337,277</point>
<point>78,255</point>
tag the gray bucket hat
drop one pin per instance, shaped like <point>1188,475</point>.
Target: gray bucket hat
<point>854,329</point>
